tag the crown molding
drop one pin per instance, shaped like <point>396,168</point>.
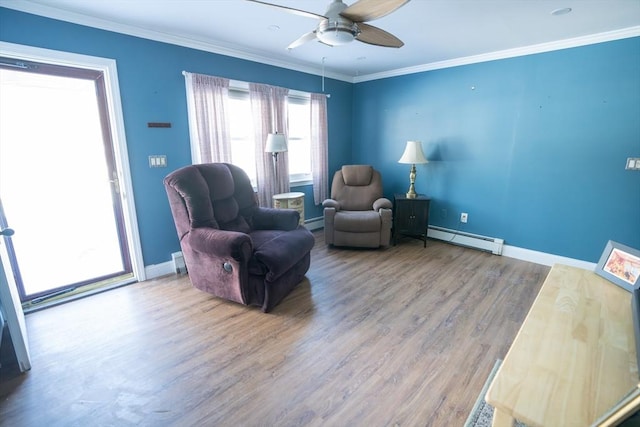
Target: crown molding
<point>236,52</point>
<point>508,53</point>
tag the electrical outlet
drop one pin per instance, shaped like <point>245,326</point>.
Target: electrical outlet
<point>443,213</point>
<point>464,217</point>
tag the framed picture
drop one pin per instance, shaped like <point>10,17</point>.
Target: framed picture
<point>621,265</point>
<point>625,409</point>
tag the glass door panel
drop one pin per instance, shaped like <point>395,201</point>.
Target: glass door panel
<point>56,183</point>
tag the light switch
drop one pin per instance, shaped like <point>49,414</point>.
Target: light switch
<point>158,161</point>
<point>633,164</point>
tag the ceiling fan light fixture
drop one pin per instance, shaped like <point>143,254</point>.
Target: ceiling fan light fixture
<point>337,33</point>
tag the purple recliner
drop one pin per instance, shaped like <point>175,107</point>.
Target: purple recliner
<point>233,248</point>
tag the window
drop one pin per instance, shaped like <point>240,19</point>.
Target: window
<point>299,139</point>
<point>221,115</point>
<point>299,132</point>
<point>241,130</point>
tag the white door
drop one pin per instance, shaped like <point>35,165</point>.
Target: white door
<point>58,171</point>
<point>94,172</point>
<point>11,306</point>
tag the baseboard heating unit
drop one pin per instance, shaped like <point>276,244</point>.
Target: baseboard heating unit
<point>314,223</point>
<point>484,243</point>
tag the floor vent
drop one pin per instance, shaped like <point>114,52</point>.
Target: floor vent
<point>178,263</point>
<point>484,243</point>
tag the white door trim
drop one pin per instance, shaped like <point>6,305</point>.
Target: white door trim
<point>12,308</point>
<point>116,119</point>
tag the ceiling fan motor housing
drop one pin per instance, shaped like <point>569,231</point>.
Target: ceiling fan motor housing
<point>336,30</point>
<point>337,33</point>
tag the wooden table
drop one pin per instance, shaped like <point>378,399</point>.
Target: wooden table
<point>410,217</point>
<point>574,356</point>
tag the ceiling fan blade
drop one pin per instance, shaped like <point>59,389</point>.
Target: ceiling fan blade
<point>374,35</point>
<point>302,40</point>
<point>291,10</point>
<point>368,10</point>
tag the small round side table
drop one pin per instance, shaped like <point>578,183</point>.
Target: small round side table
<point>293,200</point>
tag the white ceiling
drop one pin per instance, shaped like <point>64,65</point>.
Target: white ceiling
<point>436,33</point>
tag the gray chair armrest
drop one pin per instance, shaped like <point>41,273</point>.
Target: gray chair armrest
<point>330,203</point>
<point>382,203</point>
<point>329,215</point>
<point>386,215</point>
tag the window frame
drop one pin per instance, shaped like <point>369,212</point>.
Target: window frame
<point>301,99</point>
<point>240,91</point>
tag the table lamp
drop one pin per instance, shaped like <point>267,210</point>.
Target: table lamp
<point>413,155</point>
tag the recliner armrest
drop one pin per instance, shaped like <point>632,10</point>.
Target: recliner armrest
<point>382,203</point>
<point>330,203</point>
<point>220,243</point>
<point>275,219</point>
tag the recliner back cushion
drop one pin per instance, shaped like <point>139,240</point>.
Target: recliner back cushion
<point>356,187</point>
<point>357,174</point>
<point>193,189</point>
<point>222,189</point>
<point>211,194</point>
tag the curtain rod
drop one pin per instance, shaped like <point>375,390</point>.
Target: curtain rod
<point>242,83</point>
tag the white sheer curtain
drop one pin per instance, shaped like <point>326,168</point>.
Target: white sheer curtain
<point>319,147</point>
<point>269,111</point>
<point>207,100</point>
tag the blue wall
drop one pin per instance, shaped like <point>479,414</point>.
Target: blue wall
<point>152,89</point>
<point>533,148</point>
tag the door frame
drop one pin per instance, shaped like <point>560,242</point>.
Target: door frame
<point>11,307</point>
<point>116,120</point>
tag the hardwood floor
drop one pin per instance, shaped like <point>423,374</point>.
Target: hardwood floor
<point>404,336</point>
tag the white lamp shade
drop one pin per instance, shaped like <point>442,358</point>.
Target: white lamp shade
<point>276,143</point>
<point>413,153</point>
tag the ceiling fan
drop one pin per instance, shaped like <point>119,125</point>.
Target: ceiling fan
<point>341,24</point>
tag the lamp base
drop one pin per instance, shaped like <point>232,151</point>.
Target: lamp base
<point>411,194</point>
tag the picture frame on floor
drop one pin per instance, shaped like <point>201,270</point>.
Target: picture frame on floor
<point>620,264</point>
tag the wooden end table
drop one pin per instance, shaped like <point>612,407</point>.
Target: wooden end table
<point>410,217</point>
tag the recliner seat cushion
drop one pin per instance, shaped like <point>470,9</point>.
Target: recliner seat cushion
<point>276,251</point>
<point>357,221</point>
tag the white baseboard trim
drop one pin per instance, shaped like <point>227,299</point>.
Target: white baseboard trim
<point>157,270</point>
<point>497,247</point>
<point>544,258</point>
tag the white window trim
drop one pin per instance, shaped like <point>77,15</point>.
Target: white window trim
<point>295,180</point>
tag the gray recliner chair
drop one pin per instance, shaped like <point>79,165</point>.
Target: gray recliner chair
<point>357,214</point>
